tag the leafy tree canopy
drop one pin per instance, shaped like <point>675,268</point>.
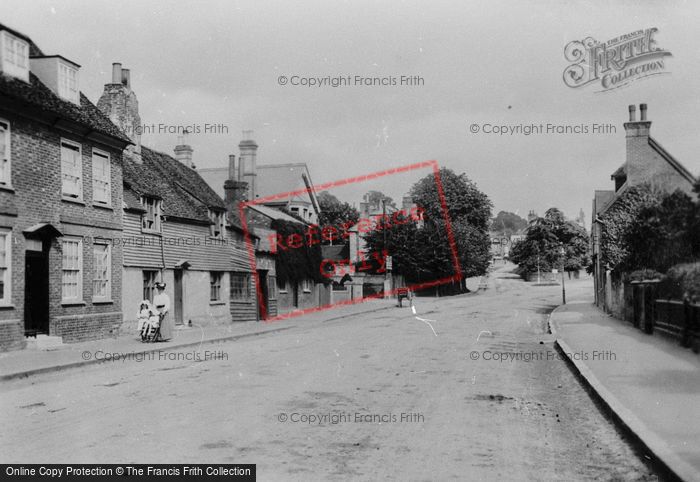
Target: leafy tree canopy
<point>507,223</point>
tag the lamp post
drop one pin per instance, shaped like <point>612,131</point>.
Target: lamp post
<point>563,287</point>
<point>386,269</point>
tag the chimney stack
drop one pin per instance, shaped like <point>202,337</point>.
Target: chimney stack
<point>247,169</point>
<point>183,152</point>
<point>116,73</point>
<point>232,168</point>
<point>638,163</point>
<point>633,113</point>
<point>119,103</point>
<point>235,193</point>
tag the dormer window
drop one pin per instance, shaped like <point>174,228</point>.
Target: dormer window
<point>218,226</point>
<point>15,56</point>
<point>68,82</point>
<point>151,219</point>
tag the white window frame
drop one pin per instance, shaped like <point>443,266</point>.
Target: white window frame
<point>157,215</point>
<point>70,195</point>
<point>108,281</point>
<point>216,279</point>
<point>6,160</point>
<point>218,218</point>
<point>306,286</point>
<point>68,82</point>
<point>14,57</point>
<point>98,178</point>
<point>6,271</point>
<point>78,298</point>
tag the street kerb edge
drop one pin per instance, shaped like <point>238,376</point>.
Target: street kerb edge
<point>250,244</point>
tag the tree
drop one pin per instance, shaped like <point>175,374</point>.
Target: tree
<point>375,198</point>
<point>421,250</point>
<point>335,213</point>
<point>542,247</point>
<point>507,223</point>
<point>462,199</point>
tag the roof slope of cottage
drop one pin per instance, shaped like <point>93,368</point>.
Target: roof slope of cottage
<point>40,97</point>
<point>183,192</point>
<point>274,213</point>
<point>680,168</point>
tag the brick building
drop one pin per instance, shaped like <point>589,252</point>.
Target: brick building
<point>175,228</point>
<point>60,201</point>
<point>646,162</point>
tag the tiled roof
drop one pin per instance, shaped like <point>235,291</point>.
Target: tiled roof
<point>183,191</point>
<point>680,168</point>
<point>273,213</point>
<point>37,95</point>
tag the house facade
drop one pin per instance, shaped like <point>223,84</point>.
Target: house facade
<point>175,229</point>
<point>646,162</point>
<point>246,180</point>
<point>60,202</point>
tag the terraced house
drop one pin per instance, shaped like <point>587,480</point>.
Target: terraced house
<point>60,201</point>
<point>175,228</point>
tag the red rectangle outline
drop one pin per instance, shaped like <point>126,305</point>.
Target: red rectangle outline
<point>351,180</point>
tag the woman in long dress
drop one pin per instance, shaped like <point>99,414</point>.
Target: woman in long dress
<point>161,301</point>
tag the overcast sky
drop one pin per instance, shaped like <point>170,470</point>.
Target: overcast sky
<point>490,62</point>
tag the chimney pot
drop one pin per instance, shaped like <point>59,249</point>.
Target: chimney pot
<point>232,167</point>
<point>643,110</point>
<point>633,113</point>
<point>116,73</point>
<point>126,78</point>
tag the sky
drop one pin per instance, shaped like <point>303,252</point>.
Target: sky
<point>483,63</point>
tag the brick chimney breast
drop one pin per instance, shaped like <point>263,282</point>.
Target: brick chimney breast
<point>119,103</point>
<point>183,153</point>
<point>235,193</point>
<point>638,159</point>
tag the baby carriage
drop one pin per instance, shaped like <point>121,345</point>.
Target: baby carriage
<point>149,322</point>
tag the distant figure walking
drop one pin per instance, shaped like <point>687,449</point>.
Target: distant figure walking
<point>162,304</point>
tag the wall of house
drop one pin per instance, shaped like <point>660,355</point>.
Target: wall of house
<point>644,164</point>
<point>36,198</point>
<point>306,299</point>
<point>197,306</point>
<point>192,243</point>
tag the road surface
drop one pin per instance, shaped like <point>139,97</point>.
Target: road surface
<point>390,395</point>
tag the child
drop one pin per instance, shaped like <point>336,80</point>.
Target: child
<point>148,318</point>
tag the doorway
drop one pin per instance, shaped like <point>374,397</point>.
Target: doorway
<point>262,303</point>
<point>178,306</point>
<point>295,295</point>
<point>36,293</point>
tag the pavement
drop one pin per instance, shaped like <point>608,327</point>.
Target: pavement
<point>29,362</point>
<point>649,384</point>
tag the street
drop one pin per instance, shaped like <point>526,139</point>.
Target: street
<point>446,393</point>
